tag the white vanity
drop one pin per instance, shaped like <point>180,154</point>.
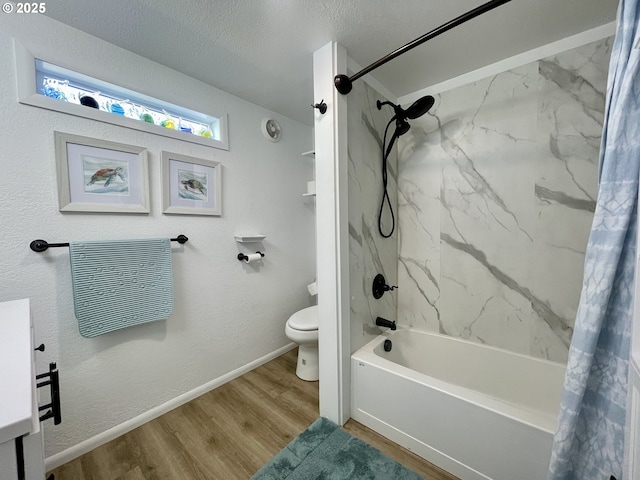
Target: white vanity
<point>19,415</point>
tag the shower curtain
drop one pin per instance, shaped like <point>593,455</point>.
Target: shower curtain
<point>589,443</point>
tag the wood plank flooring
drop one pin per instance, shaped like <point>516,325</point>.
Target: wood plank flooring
<point>226,434</point>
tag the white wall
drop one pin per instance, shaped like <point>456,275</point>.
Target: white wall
<point>227,314</point>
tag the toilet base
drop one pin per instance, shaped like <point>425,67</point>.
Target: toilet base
<point>308,362</point>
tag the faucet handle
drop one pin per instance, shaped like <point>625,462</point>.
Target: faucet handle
<point>380,286</point>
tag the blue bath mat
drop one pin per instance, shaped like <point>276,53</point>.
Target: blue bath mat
<point>120,283</point>
<point>325,451</point>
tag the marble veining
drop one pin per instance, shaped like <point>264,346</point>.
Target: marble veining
<point>369,253</point>
<point>496,192</point>
<point>550,196</point>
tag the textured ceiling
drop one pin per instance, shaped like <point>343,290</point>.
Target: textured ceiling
<point>261,50</point>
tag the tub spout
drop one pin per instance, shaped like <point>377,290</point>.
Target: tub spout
<point>382,322</point>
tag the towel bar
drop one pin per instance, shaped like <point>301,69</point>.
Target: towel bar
<point>42,245</point>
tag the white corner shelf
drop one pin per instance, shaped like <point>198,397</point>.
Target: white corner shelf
<point>309,154</point>
<point>249,238</point>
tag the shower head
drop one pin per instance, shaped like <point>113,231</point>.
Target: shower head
<point>417,108</point>
<point>420,107</point>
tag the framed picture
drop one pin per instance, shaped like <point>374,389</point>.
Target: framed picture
<point>100,176</point>
<point>190,186</point>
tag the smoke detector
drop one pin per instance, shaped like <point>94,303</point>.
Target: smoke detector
<point>271,130</point>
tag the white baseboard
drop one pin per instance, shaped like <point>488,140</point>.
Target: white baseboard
<point>54,461</point>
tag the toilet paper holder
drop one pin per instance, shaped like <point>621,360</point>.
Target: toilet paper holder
<point>242,257</point>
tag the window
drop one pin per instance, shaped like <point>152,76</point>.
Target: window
<point>46,85</point>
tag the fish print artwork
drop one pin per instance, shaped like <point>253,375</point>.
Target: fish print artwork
<point>192,185</point>
<point>105,177</point>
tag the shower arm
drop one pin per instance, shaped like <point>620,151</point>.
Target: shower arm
<point>344,83</point>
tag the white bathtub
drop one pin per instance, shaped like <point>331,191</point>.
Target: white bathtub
<point>478,412</point>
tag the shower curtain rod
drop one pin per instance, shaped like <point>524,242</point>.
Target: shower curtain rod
<point>344,83</point>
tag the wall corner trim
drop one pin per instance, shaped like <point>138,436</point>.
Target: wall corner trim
<point>332,235</point>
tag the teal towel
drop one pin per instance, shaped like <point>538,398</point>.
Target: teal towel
<point>120,283</point>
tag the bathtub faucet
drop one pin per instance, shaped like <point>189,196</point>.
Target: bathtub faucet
<point>382,322</point>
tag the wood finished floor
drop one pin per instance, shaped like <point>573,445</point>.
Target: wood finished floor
<point>226,434</point>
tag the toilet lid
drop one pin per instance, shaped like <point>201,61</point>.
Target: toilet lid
<point>305,319</point>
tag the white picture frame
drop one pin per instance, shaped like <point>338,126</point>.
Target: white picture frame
<point>95,175</point>
<point>190,185</point>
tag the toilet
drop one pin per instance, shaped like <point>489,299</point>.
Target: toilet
<point>302,328</point>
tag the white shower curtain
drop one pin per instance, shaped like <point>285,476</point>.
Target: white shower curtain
<point>589,443</point>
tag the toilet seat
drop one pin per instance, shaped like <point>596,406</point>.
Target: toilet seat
<point>304,320</point>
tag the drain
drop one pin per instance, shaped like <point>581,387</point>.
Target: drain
<point>387,345</point>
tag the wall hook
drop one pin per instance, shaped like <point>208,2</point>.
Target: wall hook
<point>321,106</point>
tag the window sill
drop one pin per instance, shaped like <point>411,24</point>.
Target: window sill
<point>41,101</point>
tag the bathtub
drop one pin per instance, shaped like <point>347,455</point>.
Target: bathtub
<point>478,412</point>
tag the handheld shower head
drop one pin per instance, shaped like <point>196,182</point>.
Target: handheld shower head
<point>402,127</point>
<point>417,109</point>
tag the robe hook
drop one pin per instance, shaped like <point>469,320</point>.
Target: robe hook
<point>321,106</point>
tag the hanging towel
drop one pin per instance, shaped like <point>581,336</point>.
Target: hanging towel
<point>120,283</point>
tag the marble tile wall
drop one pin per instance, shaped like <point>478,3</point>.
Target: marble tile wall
<point>496,191</point>
<point>369,253</point>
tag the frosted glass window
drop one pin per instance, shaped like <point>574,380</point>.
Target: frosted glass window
<point>44,84</point>
<point>68,86</point>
